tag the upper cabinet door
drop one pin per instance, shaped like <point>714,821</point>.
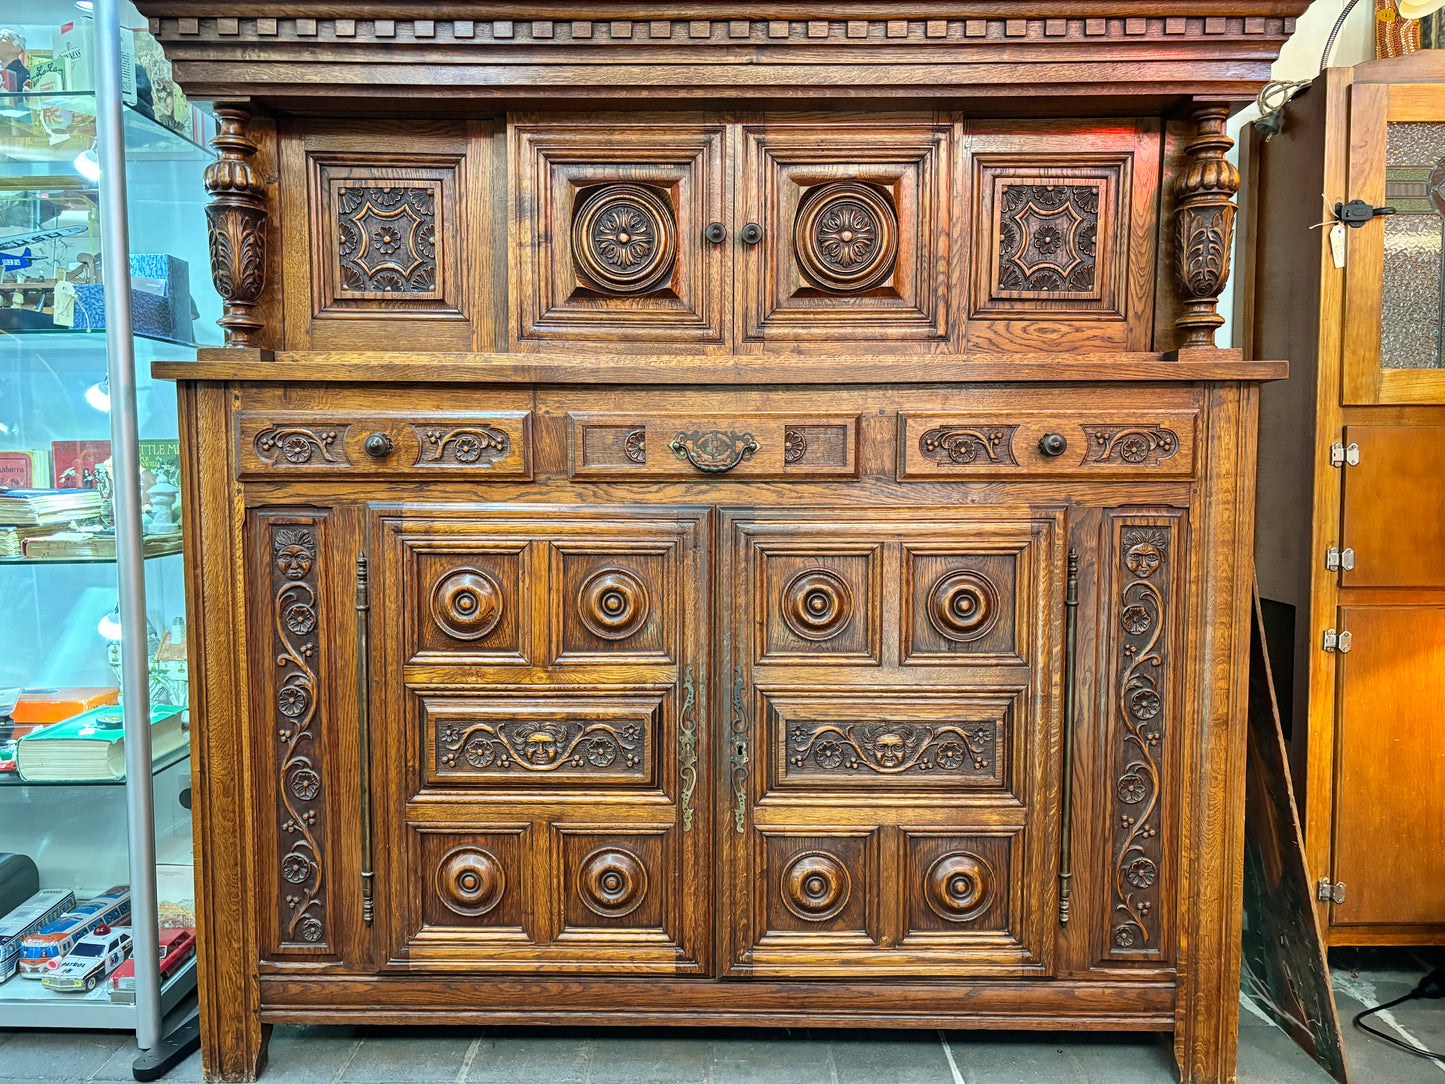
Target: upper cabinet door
<point>845,229</point>
<point>1062,234</point>
<point>1394,272</point>
<point>618,236</point>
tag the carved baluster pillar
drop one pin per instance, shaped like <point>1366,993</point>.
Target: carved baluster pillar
<point>237,219</point>
<point>1205,226</point>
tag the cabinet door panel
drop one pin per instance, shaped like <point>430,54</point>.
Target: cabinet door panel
<point>545,796</point>
<point>890,808</point>
<point>1400,479</point>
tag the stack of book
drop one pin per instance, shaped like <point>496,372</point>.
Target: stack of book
<point>47,507</point>
<point>91,746</point>
<point>12,539</point>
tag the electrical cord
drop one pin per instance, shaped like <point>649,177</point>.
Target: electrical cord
<point>1432,986</point>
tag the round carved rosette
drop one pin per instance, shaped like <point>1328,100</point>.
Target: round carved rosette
<point>817,604</point>
<point>624,238</point>
<point>612,882</point>
<point>846,236</point>
<point>613,604</point>
<point>963,605</point>
<point>815,886</point>
<point>470,881</point>
<point>466,604</point>
<point>958,886</point>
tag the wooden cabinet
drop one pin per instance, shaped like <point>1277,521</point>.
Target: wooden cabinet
<point>1351,500</point>
<point>720,520</point>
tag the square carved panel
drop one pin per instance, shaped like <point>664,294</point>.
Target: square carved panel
<point>818,603</point>
<point>958,885</point>
<point>819,885</point>
<point>607,235</point>
<point>476,879</point>
<point>472,607</point>
<point>960,607</point>
<point>609,879</point>
<point>614,602</point>
<point>855,222</point>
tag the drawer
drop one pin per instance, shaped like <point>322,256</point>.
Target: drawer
<point>752,446</point>
<point>1086,444</point>
<point>497,444</point>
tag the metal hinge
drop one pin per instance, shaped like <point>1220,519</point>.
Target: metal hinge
<point>1341,456</point>
<point>1328,891</point>
<point>1337,641</point>
<point>1336,559</point>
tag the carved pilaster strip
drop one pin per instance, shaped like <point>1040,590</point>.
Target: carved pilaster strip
<point>236,216</point>
<point>293,554</point>
<point>1204,226</point>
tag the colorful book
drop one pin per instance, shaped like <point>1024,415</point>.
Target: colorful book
<point>92,746</point>
<point>75,462</point>
<point>59,704</point>
<point>24,470</point>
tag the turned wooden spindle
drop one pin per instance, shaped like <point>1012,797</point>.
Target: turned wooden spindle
<point>1204,226</point>
<point>237,219</point>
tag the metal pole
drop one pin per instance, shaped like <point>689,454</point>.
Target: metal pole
<point>130,562</point>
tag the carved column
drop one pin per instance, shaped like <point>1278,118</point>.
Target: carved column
<point>237,219</point>
<point>1204,227</point>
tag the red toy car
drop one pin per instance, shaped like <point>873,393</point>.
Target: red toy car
<point>177,946</point>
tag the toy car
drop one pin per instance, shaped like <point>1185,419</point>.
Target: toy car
<point>177,946</point>
<point>43,951</point>
<point>39,911</point>
<point>93,957</point>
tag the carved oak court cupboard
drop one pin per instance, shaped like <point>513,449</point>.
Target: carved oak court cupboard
<point>721,517</point>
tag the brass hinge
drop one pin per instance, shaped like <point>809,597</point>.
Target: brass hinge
<point>1336,559</point>
<point>1337,641</point>
<point>1328,891</point>
<point>1344,456</point>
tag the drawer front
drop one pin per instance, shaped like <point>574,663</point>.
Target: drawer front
<point>496,444</point>
<point>756,447</point>
<point>1084,444</point>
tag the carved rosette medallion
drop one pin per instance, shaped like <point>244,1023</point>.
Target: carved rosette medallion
<point>1204,226</point>
<point>301,808</point>
<point>958,887</point>
<point>635,446</point>
<point>470,881</point>
<point>815,886</point>
<point>846,236</point>
<point>386,240</point>
<point>963,605</point>
<point>1135,445</point>
<point>1142,670</point>
<point>288,445</point>
<point>541,746</point>
<point>1048,237</point>
<point>464,447</point>
<point>612,882</point>
<point>466,603</point>
<point>965,445</point>
<point>893,748</point>
<point>613,604</point>
<point>236,226</point>
<point>817,604</point>
<point>795,445</point>
<point>624,238</point>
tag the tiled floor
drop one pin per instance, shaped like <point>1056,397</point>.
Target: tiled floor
<point>340,1055</point>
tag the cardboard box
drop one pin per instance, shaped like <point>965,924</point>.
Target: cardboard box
<point>160,299</point>
<point>75,49</point>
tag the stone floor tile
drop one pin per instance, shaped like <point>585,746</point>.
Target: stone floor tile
<point>59,1055</point>
<point>310,1055</point>
<point>1061,1058</point>
<point>772,1057</point>
<point>636,1056</point>
<point>406,1055</point>
<point>538,1058</point>
<point>1269,1056</point>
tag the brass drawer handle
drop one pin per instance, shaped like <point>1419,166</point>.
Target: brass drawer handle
<point>713,451</point>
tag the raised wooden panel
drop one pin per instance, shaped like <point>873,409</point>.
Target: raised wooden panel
<point>496,444</point>
<point>818,602</point>
<point>818,887</point>
<point>960,888</point>
<point>1062,234</point>
<point>396,228</point>
<point>607,235</point>
<point>503,739</point>
<point>476,882</point>
<point>856,220</point>
<point>1394,506</point>
<point>614,879</point>
<point>615,603</point>
<point>1124,442</point>
<point>473,603</point>
<point>755,446</point>
<point>963,607</point>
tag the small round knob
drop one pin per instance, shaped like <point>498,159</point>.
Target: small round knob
<point>716,233</point>
<point>1052,444</point>
<point>751,234</point>
<point>378,445</point>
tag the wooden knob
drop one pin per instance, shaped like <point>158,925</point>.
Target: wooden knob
<point>378,445</point>
<point>1053,444</point>
<point>751,234</point>
<point>716,233</point>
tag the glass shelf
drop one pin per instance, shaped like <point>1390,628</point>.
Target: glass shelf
<point>172,550</point>
<point>55,127</point>
<point>98,333</point>
<point>160,764</point>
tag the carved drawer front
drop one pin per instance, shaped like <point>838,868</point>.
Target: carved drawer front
<point>496,444</point>
<point>855,224</point>
<point>758,447</point>
<point>1062,237</point>
<point>611,242</point>
<point>893,698</point>
<point>542,694</point>
<point>1084,444</point>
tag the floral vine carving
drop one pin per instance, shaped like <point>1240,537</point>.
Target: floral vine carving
<point>1132,444</point>
<point>892,748</point>
<point>1143,602</point>
<point>463,447</point>
<point>294,446</point>
<point>965,445</point>
<point>541,746</point>
<point>301,807</point>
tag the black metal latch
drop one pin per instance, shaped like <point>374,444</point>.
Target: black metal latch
<point>1357,212</point>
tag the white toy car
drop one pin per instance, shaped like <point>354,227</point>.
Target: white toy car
<point>94,957</point>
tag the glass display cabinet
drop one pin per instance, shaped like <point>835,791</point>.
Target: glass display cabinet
<point>63,779</point>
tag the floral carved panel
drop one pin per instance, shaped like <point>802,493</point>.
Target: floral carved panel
<point>1048,238</point>
<point>386,240</point>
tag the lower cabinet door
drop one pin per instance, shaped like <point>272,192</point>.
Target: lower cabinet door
<point>887,705</point>
<point>541,758</point>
